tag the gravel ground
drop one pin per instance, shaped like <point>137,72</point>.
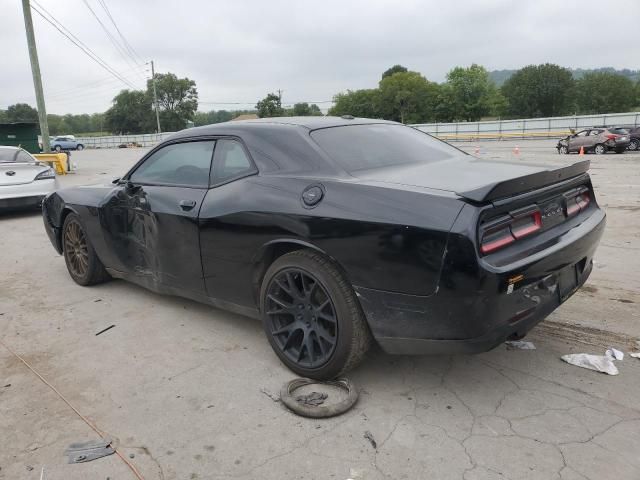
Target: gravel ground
<point>191,392</point>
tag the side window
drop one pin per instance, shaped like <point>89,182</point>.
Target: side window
<point>24,157</point>
<point>230,161</point>
<point>178,164</point>
<point>583,133</point>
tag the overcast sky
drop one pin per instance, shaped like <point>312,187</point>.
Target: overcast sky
<point>238,51</point>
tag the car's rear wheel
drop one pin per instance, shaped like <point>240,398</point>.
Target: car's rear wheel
<point>80,147</point>
<point>312,317</point>
<point>634,145</point>
<point>600,149</point>
<point>58,148</point>
<point>563,150</point>
<point>83,264</point>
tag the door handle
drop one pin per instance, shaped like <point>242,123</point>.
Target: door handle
<point>187,204</point>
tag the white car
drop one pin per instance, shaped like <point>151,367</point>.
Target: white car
<point>24,182</point>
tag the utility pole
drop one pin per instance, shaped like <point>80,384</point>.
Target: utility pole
<point>155,95</point>
<point>37,80</point>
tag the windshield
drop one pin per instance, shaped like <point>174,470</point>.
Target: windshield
<point>360,147</point>
<point>7,155</point>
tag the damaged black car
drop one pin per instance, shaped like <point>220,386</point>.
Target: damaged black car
<point>338,232</point>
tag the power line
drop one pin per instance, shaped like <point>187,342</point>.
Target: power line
<point>130,49</point>
<point>123,53</point>
<point>77,42</point>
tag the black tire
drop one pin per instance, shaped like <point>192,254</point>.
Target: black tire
<point>58,148</point>
<point>80,147</point>
<point>634,145</point>
<point>600,149</point>
<point>83,265</point>
<point>351,336</point>
<point>563,150</point>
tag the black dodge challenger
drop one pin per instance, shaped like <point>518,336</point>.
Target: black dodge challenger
<point>336,231</point>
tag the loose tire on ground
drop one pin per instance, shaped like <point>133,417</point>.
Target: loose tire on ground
<point>83,265</point>
<point>298,330</point>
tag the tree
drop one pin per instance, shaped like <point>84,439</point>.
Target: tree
<point>392,70</point>
<point>408,97</point>
<point>472,90</point>
<point>131,113</point>
<point>359,103</point>
<point>177,100</point>
<point>604,92</point>
<point>305,110</point>
<point>539,91</point>
<point>270,106</point>
<point>22,112</point>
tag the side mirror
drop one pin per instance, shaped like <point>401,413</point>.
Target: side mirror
<point>116,180</point>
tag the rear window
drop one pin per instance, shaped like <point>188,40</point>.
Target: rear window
<point>363,147</point>
<point>619,131</point>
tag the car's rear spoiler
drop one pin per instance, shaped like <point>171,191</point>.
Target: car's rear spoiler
<point>514,186</point>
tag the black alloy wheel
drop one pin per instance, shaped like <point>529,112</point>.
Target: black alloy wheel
<point>302,317</point>
<point>634,145</point>
<point>312,317</point>
<point>600,149</point>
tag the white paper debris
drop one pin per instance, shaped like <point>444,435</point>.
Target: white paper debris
<point>614,354</point>
<point>635,354</point>
<point>519,345</point>
<point>599,363</point>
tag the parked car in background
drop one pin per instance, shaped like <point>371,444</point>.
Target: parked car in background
<point>634,137</point>
<point>334,231</point>
<point>66,143</point>
<point>598,140</point>
<point>23,181</point>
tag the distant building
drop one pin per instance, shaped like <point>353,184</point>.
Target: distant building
<point>20,134</point>
<point>245,116</point>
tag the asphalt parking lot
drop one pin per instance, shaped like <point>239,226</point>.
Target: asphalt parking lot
<point>188,392</point>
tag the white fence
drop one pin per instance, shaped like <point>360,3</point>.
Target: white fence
<point>142,140</point>
<point>525,128</point>
<point>493,130</point>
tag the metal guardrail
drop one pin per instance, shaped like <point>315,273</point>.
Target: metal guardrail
<point>141,140</point>
<point>552,127</point>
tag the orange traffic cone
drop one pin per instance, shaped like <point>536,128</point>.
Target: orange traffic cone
<point>516,151</point>
<point>477,150</point>
<point>581,151</point>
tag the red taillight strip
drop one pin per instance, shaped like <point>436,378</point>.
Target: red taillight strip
<point>496,244</point>
<point>528,230</point>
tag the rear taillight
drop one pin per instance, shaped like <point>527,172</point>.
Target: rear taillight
<point>577,201</point>
<point>612,136</point>
<point>505,230</point>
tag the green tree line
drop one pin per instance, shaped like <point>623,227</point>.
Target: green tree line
<point>469,94</point>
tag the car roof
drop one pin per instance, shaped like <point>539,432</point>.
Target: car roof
<point>309,123</point>
<point>9,147</point>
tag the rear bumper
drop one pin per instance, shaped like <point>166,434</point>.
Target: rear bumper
<point>476,310</point>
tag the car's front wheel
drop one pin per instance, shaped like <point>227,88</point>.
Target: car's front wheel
<point>563,150</point>
<point>634,145</point>
<point>600,149</point>
<point>83,264</point>
<point>80,147</point>
<point>58,148</point>
<point>312,317</point>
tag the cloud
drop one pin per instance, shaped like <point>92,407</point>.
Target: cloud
<point>239,51</point>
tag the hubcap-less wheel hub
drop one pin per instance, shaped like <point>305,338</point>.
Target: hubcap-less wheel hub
<point>301,318</point>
